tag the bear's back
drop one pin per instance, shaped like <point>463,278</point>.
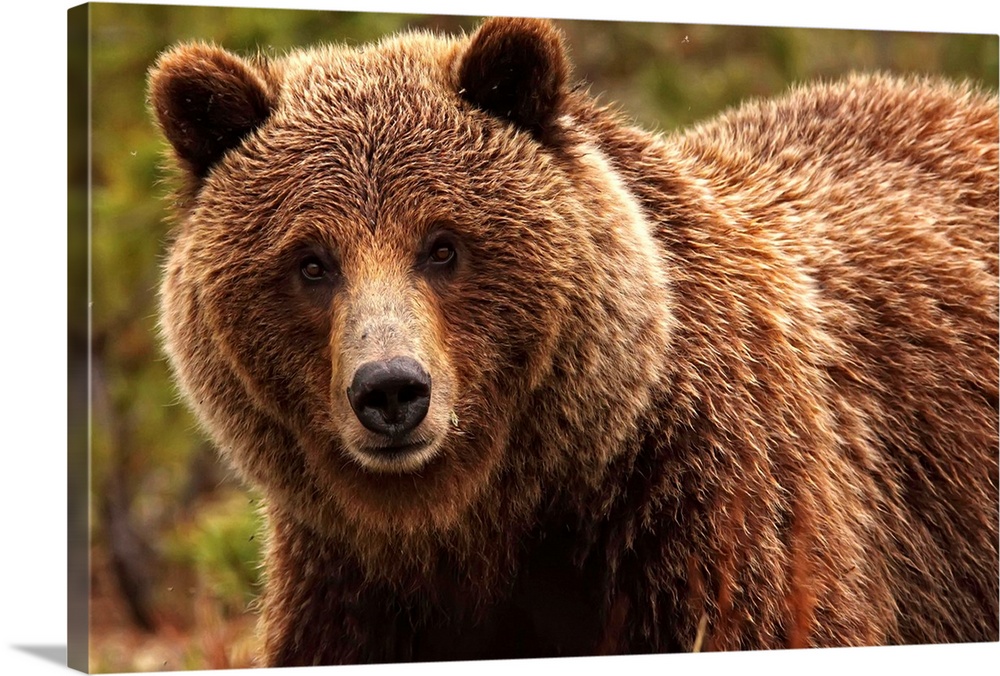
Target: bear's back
<point>840,243</point>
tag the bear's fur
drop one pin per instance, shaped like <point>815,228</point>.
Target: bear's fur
<point>730,389</point>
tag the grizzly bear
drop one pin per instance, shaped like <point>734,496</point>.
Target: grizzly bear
<point>517,378</point>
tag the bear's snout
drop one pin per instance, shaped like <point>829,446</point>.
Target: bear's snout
<point>390,397</point>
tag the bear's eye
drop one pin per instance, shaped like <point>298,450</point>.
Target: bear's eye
<point>442,253</point>
<point>439,255</point>
<point>312,269</point>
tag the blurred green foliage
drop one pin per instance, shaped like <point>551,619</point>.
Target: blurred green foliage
<point>220,545</point>
<point>149,465</point>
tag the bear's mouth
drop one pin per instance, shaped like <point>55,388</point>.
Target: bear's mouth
<point>395,457</point>
<point>395,450</point>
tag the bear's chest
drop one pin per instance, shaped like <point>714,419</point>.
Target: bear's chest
<point>556,607</point>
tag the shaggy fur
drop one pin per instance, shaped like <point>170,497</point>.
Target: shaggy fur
<point>743,378</point>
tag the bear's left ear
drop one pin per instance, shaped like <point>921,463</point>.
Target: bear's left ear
<point>206,100</point>
<point>516,69</point>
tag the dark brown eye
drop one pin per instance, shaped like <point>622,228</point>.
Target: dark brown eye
<point>442,253</point>
<point>313,269</point>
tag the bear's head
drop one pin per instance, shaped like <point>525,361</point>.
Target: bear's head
<point>405,275</point>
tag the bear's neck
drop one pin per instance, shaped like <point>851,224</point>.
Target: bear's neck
<point>608,362</point>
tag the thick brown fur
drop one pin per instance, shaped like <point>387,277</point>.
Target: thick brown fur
<point>743,377</point>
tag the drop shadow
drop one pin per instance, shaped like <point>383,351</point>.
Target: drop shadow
<point>50,653</point>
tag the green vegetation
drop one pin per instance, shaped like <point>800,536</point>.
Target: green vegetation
<point>176,544</point>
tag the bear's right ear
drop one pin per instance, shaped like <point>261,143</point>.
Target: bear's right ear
<point>516,69</point>
<point>206,101</point>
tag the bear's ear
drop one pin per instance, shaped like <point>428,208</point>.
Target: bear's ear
<point>206,101</point>
<point>516,69</point>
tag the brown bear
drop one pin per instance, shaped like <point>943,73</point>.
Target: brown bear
<point>519,379</point>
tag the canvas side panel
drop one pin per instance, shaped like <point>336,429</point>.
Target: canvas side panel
<point>78,339</point>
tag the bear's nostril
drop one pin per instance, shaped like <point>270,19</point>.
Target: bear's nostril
<point>411,393</point>
<point>377,400</point>
<point>390,397</point>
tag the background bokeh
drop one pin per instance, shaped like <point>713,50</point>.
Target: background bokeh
<point>175,540</point>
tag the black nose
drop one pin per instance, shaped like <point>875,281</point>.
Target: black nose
<point>390,397</point>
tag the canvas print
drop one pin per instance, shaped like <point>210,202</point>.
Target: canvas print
<point>428,338</point>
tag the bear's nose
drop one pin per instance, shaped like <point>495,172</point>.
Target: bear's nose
<point>390,397</point>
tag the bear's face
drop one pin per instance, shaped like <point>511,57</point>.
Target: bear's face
<point>380,251</point>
